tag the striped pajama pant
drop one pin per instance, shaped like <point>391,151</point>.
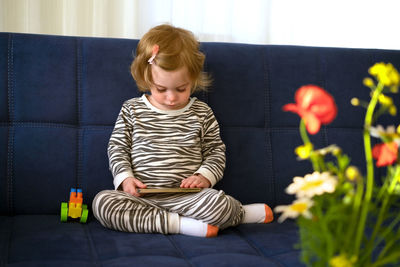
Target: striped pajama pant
<point>121,211</point>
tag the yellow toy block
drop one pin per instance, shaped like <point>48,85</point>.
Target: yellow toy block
<point>75,210</point>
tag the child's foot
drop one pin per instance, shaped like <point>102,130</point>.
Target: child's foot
<point>257,213</point>
<point>188,226</point>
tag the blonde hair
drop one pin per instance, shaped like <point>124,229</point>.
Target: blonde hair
<point>177,48</point>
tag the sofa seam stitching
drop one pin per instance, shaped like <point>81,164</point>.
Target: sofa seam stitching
<point>53,125</point>
<point>322,75</point>
<point>9,239</point>
<point>91,245</point>
<point>250,243</point>
<point>79,155</point>
<point>268,133</point>
<point>106,126</point>
<point>183,256</point>
<point>10,135</point>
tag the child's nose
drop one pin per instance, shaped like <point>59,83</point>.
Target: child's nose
<point>171,97</point>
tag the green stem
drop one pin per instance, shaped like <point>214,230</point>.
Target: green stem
<point>388,231</point>
<point>306,140</point>
<point>355,214</point>
<point>383,189</point>
<point>303,132</point>
<point>379,221</point>
<point>327,233</point>
<point>370,167</point>
<point>389,259</point>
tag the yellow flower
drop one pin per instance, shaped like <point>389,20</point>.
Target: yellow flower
<point>312,184</point>
<point>393,110</point>
<point>385,73</point>
<point>352,173</point>
<point>398,129</point>
<point>304,151</point>
<point>342,261</point>
<point>385,100</point>
<point>298,207</point>
<point>368,82</point>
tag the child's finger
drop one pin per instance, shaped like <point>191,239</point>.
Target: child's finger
<point>140,184</point>
<point>192,182</point>
<point>135,193</point>
<point>195,184</point>
<point>131,190</point>
<point>186,183</point>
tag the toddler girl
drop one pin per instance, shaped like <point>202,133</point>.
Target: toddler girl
<point>166,139</point>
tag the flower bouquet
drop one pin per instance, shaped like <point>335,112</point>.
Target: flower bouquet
<point>346,218</point>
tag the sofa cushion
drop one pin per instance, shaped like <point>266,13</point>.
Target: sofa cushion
<point>42,240</point>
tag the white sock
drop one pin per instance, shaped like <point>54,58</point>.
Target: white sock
<point>188,226</point>
<point>257,213</point>
<point>173,223</point>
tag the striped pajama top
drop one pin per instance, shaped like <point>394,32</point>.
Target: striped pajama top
<point>161,148</point>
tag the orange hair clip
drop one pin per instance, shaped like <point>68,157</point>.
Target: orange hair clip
<point>156,48</point>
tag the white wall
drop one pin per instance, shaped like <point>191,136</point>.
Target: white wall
<point>345,23</point>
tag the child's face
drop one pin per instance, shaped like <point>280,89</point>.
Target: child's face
<point>171,89</point>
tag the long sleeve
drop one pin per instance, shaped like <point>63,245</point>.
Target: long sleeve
<point>119,147</point>
<point>213,150</point>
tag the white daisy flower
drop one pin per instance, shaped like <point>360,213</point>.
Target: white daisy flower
<point>379,131</point>
<point>329,149</point>
<point>298,207</point>
<point>390,134</point>
<point>312,184</point>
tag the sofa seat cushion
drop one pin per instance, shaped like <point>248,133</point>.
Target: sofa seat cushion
<point>42,240</point>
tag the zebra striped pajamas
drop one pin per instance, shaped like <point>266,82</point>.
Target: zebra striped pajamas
<point>161,148</point>
<point>123,212</point>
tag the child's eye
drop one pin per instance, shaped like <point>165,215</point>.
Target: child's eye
<point>160,90</point>
<point>181,90</point>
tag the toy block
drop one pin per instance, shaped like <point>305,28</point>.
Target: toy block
<point>76,196</point>
<point>74,208</point>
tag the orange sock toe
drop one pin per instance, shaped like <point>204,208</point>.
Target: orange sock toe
<point>212,231</point>
<point>269,215</point>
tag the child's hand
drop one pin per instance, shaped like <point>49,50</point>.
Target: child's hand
<point>130,184</point>
<point>194,181</point>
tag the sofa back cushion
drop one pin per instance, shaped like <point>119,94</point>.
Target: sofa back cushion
<point>60,97</point>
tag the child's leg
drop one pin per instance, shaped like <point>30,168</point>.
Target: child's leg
<point>257,213</point>
<point>188,226</point>
<point>209,206</point>
<point>123,212</point>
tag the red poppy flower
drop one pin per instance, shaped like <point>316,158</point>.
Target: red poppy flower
<point>314,105</point>
<point>385,153</point>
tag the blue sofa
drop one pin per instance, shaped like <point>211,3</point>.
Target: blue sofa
<point>59,99</point>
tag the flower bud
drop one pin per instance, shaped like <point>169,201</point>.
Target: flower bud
<point>355,101</point>
<point>394,89</point>
<point>352,173</point>
<point>385,100</point>
<point>368,82</point>
<point>336,151</point>
<point>347,199</point>
<point>304,151</point>
<point>393,110</point>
